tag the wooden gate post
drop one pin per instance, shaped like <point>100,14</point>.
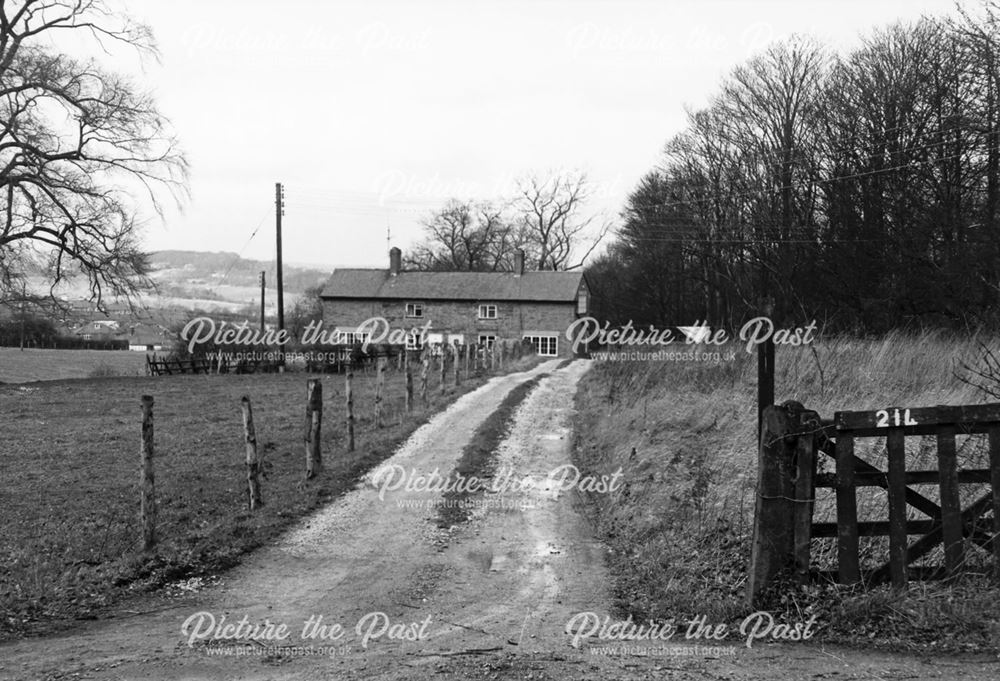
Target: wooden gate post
<point>147,499</point>
<point>458,351</point>
<point>349,399</point>
<point>314,417</point>
<point>252,455</point>
<point>773,534</point>
<point>805,492</point>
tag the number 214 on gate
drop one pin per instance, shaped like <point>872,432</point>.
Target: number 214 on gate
<point>885,418</point>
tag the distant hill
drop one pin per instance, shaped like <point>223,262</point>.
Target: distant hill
<point>220,282</point>
<point>201,272</point>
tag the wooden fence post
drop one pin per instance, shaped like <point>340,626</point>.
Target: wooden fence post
<point>458,351</point>
<point>444,368</point>
<point>773,536</point>
<point>379,387</point>
<point>466,351</point>
<point>765,371</point>
<point>423,375</point>
<point>147,499</point>
<point>314,417</point>
<point>409,389</point>
<point>253,457</point>
<point>349,397</point>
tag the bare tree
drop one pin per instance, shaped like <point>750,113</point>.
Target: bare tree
<point>552,225</point>
<point>465,236</point>
<point>83,152</point>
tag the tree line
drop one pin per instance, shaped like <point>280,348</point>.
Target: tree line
<point>861,190</point>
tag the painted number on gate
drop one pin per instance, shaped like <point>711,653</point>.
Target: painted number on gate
<point>883,419</point>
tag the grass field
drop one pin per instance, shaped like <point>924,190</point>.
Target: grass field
<point>69,468</point>
<point>22,366</point>
<point>684,434</point>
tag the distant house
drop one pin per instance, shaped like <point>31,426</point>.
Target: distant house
<point>149,338</point>
<point>99,330</point>
<point>460,307</point>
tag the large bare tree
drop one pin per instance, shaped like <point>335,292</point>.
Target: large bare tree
<point>85,155</point>
<point>553,226</point>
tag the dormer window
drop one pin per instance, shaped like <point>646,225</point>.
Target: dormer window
<point>488,311</point>
<point>414,310</point>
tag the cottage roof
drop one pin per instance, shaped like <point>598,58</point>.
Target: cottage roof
<point>382,285</point>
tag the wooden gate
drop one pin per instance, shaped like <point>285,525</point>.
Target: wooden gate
<point>794,440</point>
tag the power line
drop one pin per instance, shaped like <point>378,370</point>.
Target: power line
<point>239,255</point>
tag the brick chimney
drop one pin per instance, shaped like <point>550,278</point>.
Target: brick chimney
<point>395,259</point>
<point>518,262</point>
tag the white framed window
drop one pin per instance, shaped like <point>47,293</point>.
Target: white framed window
<point>487,340</point>
<point>351,337</point>
<point>545,346</point>
<point>413,340</point>
<point>581,301</point>
<point>488,311</point>
<point>414,310</point>
<point>456,339</point>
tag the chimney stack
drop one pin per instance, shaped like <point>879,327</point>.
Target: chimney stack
<point>395,259</point>
<point>518,262</point>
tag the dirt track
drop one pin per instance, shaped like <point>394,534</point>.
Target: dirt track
<point>489,600</point>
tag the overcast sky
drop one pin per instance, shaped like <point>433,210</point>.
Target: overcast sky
<point>374,113</point>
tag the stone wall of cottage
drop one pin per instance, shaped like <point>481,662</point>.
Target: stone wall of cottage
<point>514,319</point>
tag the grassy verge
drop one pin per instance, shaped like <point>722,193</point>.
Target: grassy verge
<point>69,458</point>
<point>683,433</point>
<point>31,364</point>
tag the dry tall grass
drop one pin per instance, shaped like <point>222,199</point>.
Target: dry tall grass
<point>684,434</point>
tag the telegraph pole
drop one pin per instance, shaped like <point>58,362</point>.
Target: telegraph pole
<point>261,278</point>
<point>279,211</point>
